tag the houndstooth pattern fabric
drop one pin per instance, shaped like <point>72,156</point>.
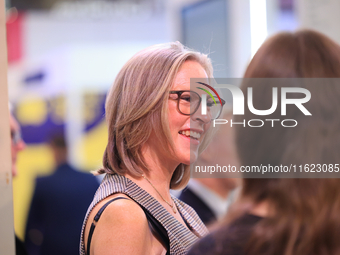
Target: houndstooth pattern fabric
<point>181,238</point>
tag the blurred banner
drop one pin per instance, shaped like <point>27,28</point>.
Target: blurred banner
<point>40,118</point>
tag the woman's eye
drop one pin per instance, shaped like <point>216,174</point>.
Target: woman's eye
<point>210,103</point>
<point>186,98</point>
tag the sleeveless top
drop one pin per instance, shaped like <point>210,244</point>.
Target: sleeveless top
<point>181,238</point>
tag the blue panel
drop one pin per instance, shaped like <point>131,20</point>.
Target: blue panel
<point>205,28</point>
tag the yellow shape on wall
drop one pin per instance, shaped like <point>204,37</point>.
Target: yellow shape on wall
<point>33,161</point>
<point>92,147</point>
<point>32,112</point>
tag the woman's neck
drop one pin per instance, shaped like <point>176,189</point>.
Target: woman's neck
<point>161,166</point>
<point>158,178</point>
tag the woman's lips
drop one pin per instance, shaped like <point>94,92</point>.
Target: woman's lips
<point>191,135</point>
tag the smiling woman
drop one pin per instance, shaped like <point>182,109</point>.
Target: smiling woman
<point>150,146</point>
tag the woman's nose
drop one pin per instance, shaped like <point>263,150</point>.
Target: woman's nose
<point>202,114</point>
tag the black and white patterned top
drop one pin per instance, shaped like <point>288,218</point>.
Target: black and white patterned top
<point>181,238</point>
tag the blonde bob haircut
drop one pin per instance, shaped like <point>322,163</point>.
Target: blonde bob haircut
<point>137,104</point>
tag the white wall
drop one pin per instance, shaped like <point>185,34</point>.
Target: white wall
<point>320,15</point>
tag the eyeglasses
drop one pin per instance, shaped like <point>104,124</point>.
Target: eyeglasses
<point>189,101</point>
<point>16,137</point>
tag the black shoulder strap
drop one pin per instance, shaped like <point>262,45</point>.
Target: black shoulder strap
<point>95,220</point>
<point>154,223</point>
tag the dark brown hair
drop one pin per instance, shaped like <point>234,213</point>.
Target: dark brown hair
<point>306,212</point>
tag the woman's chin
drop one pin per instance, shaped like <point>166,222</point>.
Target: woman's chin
<point>188,158</point>
<point>193,157</point>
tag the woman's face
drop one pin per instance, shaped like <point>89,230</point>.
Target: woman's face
<point>187,131</point>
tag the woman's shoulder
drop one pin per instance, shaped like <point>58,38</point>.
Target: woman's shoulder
<point>122,223</point>
<point>120,205</point>
<point>120,209</point>
<point>123,212</point>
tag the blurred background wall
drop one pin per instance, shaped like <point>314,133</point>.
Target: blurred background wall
<point>6,198</point>
<point>64,55</point>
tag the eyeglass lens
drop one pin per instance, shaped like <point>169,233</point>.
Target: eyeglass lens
<point>189,103</point>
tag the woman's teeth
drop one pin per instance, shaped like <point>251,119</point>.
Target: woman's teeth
<point>191,134</point>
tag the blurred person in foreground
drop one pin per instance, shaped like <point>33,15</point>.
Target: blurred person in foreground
<point>58,206</point>
<point>211,197</point>
<point>156,130</point>
<point>17,145</point>
<point>287,216</point>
